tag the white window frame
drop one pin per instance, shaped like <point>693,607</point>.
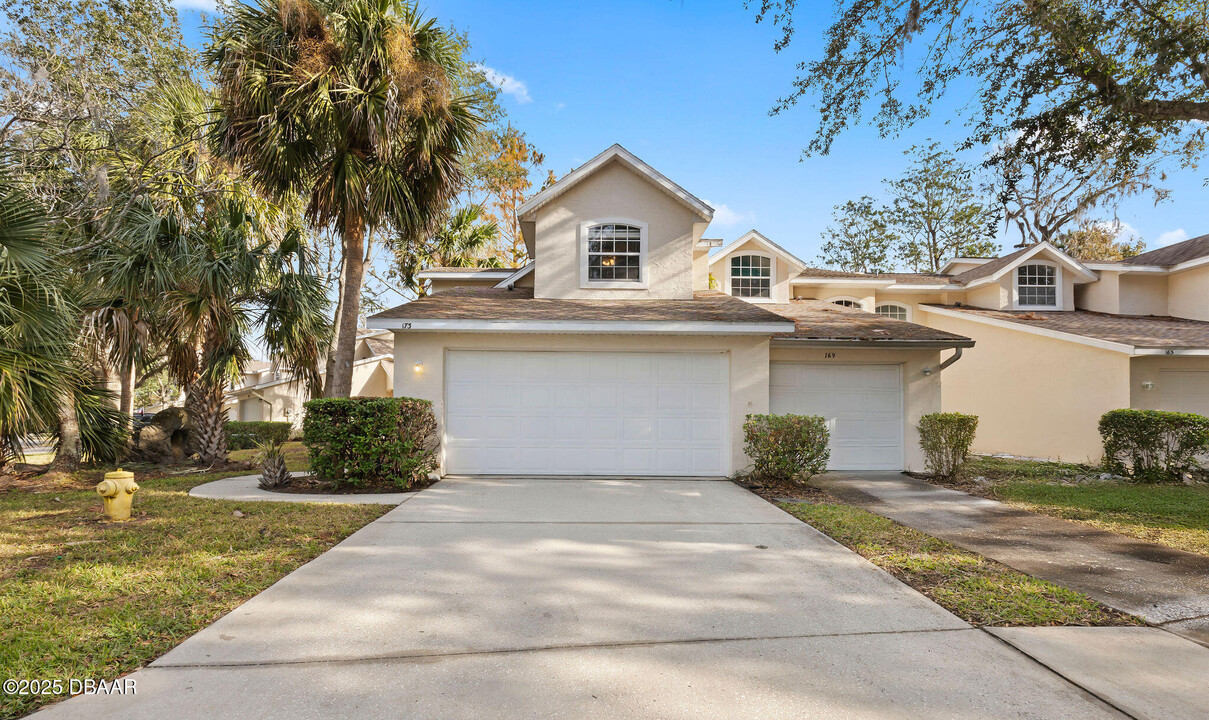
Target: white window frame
<point>1017,305</point>
<point>643,257</point>
<point>905,307</point>
<point>860,304</point>
<point>772,275</point>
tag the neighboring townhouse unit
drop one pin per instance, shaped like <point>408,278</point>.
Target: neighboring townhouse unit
<point>1059,342</point>
<point>267,392</point>
<point>610,354</point>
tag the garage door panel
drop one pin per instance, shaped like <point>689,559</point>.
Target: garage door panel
<point>862,405</point>
<point>587,413</point>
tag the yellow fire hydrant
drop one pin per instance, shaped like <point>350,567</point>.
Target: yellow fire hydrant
<point>118,490</point>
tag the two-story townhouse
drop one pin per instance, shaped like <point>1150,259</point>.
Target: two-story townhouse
<point>1059,342</point>
<point>266,391</point>
<point>610,354</point>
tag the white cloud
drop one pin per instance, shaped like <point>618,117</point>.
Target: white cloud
<point>198,5</point>
<point>723,215</point>
<point>1171,238</point>
<point>505,82</point>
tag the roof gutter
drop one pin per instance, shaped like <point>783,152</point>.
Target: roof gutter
<point>613,327</point>
<point>929,371</point>
<point>888,343</point>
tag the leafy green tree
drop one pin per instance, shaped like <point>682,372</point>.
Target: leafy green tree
<point>501,171</point>
<point>1099,240</point>
<point>937,211</point>
<point>348,102</point>
<point>860,239</point>
<point>1084,75</point>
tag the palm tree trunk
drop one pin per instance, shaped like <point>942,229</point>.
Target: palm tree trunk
<point>205,411</point>
<point>330,362</point>
<point>68,458</point>
<point>126,397</point>
<point>340,377</point>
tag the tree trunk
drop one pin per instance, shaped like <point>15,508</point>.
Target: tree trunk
<point>67,460</point>
<point>204,406</point>
<point>340,375</point>
<point>330,362</point>
<point>126,396</point>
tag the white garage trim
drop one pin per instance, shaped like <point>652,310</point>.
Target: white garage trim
<point>554,412</point>
<point>870,433</point>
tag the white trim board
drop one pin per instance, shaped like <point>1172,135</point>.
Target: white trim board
<point>615,152</point>
<point>517,275</point>
<point>468,275</point>
<point>759,239</point>
<point>637,327</point>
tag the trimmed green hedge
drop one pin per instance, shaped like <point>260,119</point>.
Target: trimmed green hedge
<point>371,441</point>
<point>244,434</point>
<point>784,447</point>
<point>1153,445</point>
<point>945,439</point>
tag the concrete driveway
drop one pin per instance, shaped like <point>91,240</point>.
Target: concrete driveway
<point>523,598</point>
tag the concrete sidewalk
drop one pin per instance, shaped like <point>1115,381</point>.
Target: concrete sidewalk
<point>1166,587</point>
<point>516,598</point>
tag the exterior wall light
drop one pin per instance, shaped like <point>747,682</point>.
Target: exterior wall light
<point>927,371</point>
<point>1148,384</point>
<point>418,367</point>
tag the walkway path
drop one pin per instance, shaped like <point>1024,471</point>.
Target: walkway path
<point>1166,587</point>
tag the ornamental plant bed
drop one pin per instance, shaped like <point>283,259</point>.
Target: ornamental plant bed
<point>311,485</point>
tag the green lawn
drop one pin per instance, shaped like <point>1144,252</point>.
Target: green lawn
<point>83,599</point>
<point>978,590</point>
<point>1172,515</point>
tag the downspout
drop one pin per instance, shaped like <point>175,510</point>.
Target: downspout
<point>952,359</point>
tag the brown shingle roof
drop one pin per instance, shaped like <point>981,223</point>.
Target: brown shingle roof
<point>519,304</point>
<point>818,320</point>
<point>1197,247</point>
<point>380,346</point>
<point>1147,331</point>
<point>989,268</point>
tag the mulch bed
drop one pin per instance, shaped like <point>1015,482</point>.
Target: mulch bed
<point>307,485</point>
<point>774,491</point>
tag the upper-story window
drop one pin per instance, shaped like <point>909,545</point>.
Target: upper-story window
<point>898,311</point>
<point>1037,286</point>
<point>751,276</point>
<point>848,304</point>
<point>614,253</point>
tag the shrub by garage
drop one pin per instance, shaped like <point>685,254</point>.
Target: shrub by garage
<point>1154,445</point>
<point>945,439</point>
<point>786,447</point>
<point>242,435</point>
<point>370,442</point>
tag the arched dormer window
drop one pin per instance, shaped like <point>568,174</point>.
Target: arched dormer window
<point>848,303</point>
<point>751,276</point>
<point>1037,286</point>
<point>895,310</point>
<point>614,254</point>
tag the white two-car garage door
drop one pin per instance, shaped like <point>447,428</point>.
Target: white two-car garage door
<point>863,406</point>
<point>586,413</point>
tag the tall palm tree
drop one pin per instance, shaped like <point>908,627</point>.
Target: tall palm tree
<point>351,103</point>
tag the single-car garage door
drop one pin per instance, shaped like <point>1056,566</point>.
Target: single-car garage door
<point>586,413</point>
<point>1184,391</point>
<point>863,406</point>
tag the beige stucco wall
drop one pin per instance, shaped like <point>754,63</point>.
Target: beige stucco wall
<point>922,394</point>
<point>1143,294</point>
<point>700,269</point>
<point>780,290</point>
<point>995,296</point>
<point>436,286</point>
<point>1101,296</point>
<point>748,364</point>
<point>1034,396</point>
<point>371,379</point>
<point>615,193</point>
<point>1188,293</point>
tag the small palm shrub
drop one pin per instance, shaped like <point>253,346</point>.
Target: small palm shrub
<point>354,442</point>
<point>271,458</point>
<point>945,439</point>
<point>1153,445</point>
<point>786,447</point>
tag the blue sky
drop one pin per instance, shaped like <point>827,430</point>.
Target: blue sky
<point>687,85</point>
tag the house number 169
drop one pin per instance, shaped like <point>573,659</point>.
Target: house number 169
<point>828,356</point>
